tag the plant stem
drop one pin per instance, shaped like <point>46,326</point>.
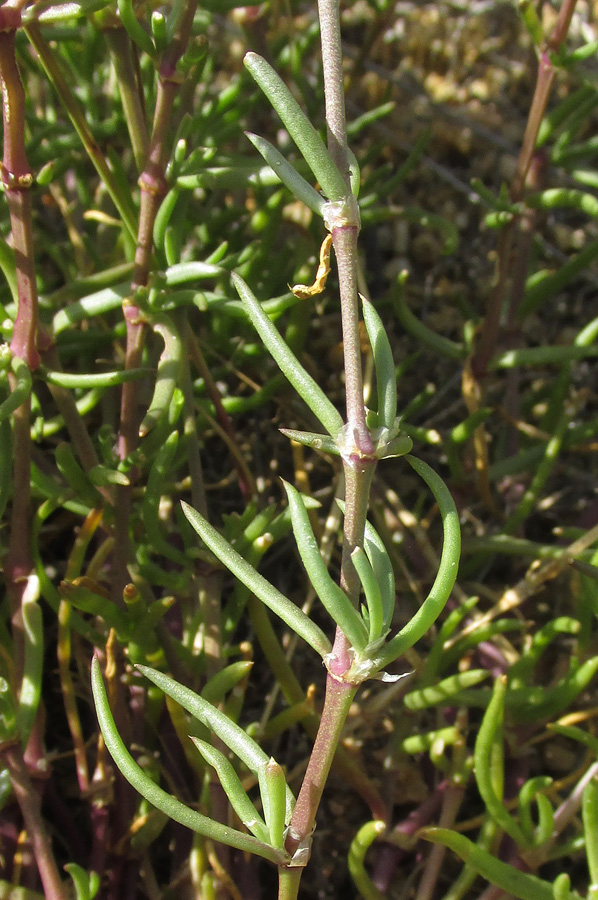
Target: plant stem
<point>358,460</point>
<point>288,883</point>
<point>345,248</point>
<point>121,53</point>
<point>336,125</point>
<point>29,804</point>
<point>339,696</point>
<point>127,441</point>
<point>544,81</point>
<point>345,766</point>
<point>77,117</point>
<point>152,182</point>
<point>17,179</point>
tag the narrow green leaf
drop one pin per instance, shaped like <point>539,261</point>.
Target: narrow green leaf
<point>568,198</point>
<point>20,391</point>
<point>334,599</point>
<point>74,475</point>
<point>442,692</point>
<point>382,566</point>
<point>94,380</point>
<point>361,843</point>
<point>386,379</point>
<point>510,879</point>
<point>488,747</point>
<point>287,174</point>
<point>372,593</point>
<point>96,304</point>
<point>8,266</point>
<point>354,173</point>
<point>266,592</point>
<point>589,815</point>
<point>420,743</point>
<point>447,569</point>
<point>167,374</point>
<point>421,332</point>
<point>33,667</point>
<point>541,356</point>
<point>304,384</point>
<point>158,797</point>
<point>234,790</point>
<point>299,127</point>
<point>228,731</point>
<point>86,885</point>
<point>532,22</point>
<point>561,887</point>
<point>273,788</point>
<point>86,600</point>
<point>321,442</point>
<point>225,680</point>
<point>134,29</point>
<point>102,476</point>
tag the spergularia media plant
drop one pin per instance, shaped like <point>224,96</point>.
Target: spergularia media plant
<point>360,644</point>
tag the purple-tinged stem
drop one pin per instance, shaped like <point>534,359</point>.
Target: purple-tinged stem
<point>127,442</point>
<point>561,28</point>
<point>358,460</point>
<point>344,238</point>
<point>17,180</point>
<point>336,123</point>
<point>544,81</point>
<point>153,186</point>
<point>569,808</point>
<point>29,803</point>
<point>451,802</point>
<point>345,249</point>
<point>339,696</point>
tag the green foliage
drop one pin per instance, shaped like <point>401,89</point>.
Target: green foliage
<point>152,347</point>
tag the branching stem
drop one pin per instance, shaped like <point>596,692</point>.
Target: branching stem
<point>358,461</point>
<point>152,182</point>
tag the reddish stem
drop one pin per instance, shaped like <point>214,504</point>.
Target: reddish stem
<point>153,186</point>
<point>17,180</point>
<point>29,804</point>
<point>339,695</point>
<point>544,81</point>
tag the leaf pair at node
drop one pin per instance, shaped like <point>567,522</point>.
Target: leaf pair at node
<point>267,832</point>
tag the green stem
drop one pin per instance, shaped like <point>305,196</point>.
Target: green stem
<point>77,117</point>
<point>121,53</point>
<point>288,883</point>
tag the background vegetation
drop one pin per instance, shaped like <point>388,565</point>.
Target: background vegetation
<point>131,195</point>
